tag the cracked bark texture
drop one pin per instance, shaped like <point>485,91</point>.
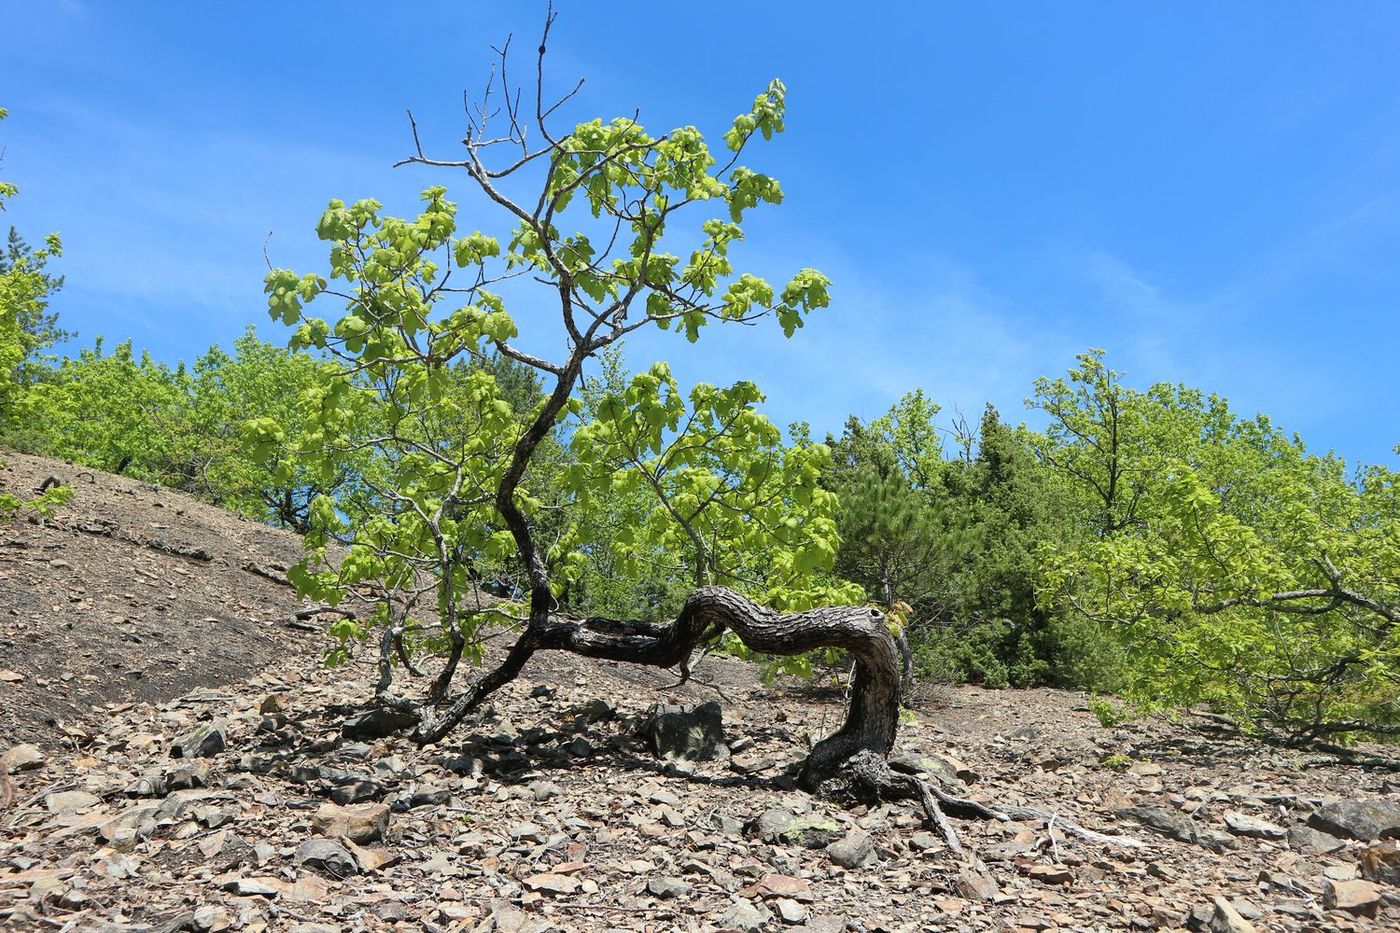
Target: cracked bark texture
<point>871,719</point>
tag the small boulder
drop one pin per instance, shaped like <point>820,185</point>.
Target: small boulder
<point>692,735</point>
<point>23,757</point>
<point>327,857</point>
<point>853,850</point>
<point>364,822</point>
<point>202,741</point>
<point>377,723</point>
<point>1361,898</point>
<point>1366,820</point>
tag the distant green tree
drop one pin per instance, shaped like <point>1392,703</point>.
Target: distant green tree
<point>118,412</point>
<point>27,327</point>
<point>257,381</point>
<point>1233,566</point>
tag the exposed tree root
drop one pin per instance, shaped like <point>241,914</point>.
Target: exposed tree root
<point>869,779</point>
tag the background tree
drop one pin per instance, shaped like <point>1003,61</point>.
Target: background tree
<point>1253,575</point>
<point>27,327</point>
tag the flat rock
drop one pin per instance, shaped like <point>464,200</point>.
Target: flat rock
<point>1366,820</point>
<point>1362,898</point>
<point>1242,824</point>
<point>377,723</point>
<point>23,757</point>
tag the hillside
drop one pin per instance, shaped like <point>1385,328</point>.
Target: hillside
<point>132,592</point>
<point>132,621</point>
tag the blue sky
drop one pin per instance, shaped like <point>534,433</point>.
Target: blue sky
<point>1209,191</point>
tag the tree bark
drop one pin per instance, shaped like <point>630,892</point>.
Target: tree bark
<point>871,720</point>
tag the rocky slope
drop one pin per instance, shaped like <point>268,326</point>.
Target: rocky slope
<point>270,802</point>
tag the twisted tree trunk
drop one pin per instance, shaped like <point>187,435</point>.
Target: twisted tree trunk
<point>871,720</point>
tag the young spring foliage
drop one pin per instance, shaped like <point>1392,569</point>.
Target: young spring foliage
<point>466,490</point>
<point>1236,567</point>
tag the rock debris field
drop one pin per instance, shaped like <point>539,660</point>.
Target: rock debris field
<point>260,792</point>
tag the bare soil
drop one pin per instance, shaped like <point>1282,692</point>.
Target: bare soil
<point>99,607</point>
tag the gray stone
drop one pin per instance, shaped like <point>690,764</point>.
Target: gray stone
<point>746,917</point>
<point>1242,824</point>
<point>692,735</point>
<point>853,851</point>
<point>667,888</point>
<point>377,723</point>
<point>1366,820</point>
<point>200,742</point>
<point>327,857</point>
<point>1177,825</point>
<point>1310,841</point>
